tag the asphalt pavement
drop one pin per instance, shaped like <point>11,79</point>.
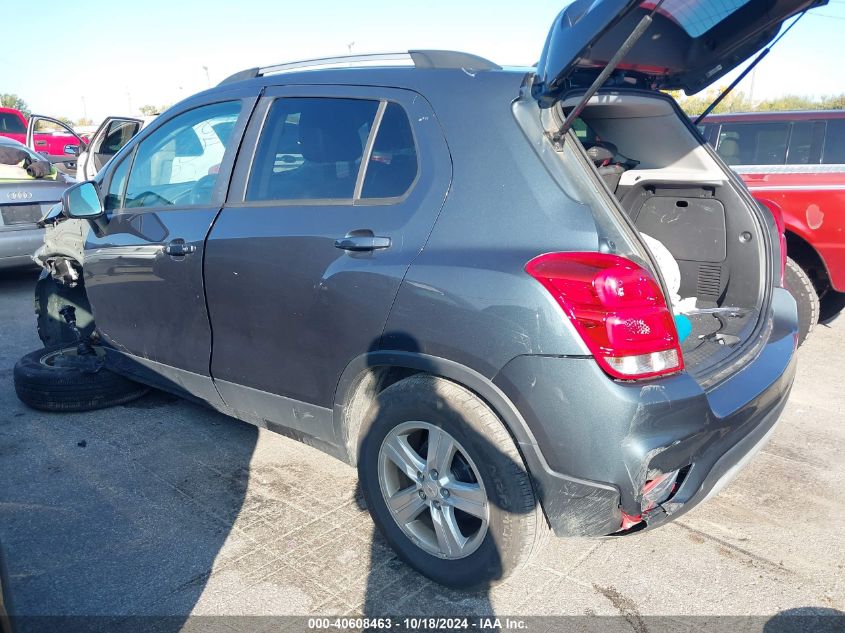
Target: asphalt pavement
<point>162,507</point>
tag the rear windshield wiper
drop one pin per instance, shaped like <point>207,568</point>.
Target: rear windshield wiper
<point>632,39</point>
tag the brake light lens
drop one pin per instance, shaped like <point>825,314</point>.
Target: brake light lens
<point>617,308</point>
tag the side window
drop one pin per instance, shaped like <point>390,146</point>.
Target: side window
<point>583,131</point>
<point>800,143</point>
<point>311,149</point>
<point>116,184</point>
<point>392,167</point>
<point>753,143</point>
<point>834,143</point>
<point>709,131</point>
<point>178,163</point>
<point>117,135</point>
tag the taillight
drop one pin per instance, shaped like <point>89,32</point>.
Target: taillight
<point>618,309</point>
<point>777,214</point>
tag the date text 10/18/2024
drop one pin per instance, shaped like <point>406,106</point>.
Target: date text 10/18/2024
<point>418,624</point>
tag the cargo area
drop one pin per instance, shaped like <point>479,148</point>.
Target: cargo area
<point>674,192</point>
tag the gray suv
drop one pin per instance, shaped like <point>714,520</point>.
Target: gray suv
<point>519,300</point>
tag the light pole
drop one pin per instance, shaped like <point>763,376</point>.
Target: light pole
<point>207,78</point>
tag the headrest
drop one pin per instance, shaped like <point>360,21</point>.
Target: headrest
<point>729,146</point>
<point>328,134</point>
<point>729,151</point>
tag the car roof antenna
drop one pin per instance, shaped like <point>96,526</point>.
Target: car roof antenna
<point>632,39</point>
<point>745,72</point>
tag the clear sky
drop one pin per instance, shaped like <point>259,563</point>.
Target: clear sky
<point>113,57</point>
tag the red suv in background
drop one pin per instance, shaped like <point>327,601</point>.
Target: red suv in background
<point>795,162</point>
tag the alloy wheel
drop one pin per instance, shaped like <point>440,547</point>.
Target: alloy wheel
<point>433,490</point>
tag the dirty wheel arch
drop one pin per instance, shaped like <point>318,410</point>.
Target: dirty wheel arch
<point>51,296</point>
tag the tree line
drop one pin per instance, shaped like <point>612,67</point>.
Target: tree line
<point>739,101</point>
<point>736,101</point>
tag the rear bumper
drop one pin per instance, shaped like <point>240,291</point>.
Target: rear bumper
<point>599,441</point>
<point>17,246</point>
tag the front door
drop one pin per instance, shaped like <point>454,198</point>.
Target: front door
<point>112,135</point>
<point>143,268</point>
<point>324,216</point>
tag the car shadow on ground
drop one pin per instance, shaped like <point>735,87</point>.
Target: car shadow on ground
<point>113,513</point>
<point>119,517</point>
<point>114,516</point>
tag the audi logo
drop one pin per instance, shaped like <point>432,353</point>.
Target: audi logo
<point>19,195</point>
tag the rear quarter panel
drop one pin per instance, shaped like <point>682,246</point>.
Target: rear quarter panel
<point>813,206</point>
<point>467,297</point>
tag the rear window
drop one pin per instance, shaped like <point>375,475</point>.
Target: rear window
<point>697,17</point>
<point>834,143</point>
<point>11,123</point>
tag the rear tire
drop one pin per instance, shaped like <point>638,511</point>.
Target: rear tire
<point>485,461</point>
<point>44,385</point>
<point>801,287</point>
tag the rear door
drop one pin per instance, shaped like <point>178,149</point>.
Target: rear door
<point>323,220</point>
<point>144,267</point>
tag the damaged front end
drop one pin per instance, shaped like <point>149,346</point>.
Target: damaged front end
<point>61,303</point>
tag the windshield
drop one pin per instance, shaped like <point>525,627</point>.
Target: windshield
<point>696,17</point>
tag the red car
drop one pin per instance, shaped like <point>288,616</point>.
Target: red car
<point>795,162</point>
<point>13,124</point>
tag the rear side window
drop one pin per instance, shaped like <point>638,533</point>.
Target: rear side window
<point>311,149</point>
<point>834,143</point>
<point>333,149</point>
<point>800,143</point>
<point>392,167</point>
<point>753,143</point>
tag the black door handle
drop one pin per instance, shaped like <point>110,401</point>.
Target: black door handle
<point>359,242</point>
<point>178,248</point>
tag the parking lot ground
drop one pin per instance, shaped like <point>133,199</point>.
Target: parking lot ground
<point>163,507</point>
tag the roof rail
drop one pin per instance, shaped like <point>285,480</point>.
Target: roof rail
<point>417,58</point>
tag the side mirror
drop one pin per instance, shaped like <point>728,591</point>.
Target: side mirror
<point>72,149</point>
<point>82,202</point>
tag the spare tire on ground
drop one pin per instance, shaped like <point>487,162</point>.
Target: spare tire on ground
<point>59,379</point>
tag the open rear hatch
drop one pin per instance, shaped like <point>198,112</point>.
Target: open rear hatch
<point>601,70</point>
<point>688,45</point>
